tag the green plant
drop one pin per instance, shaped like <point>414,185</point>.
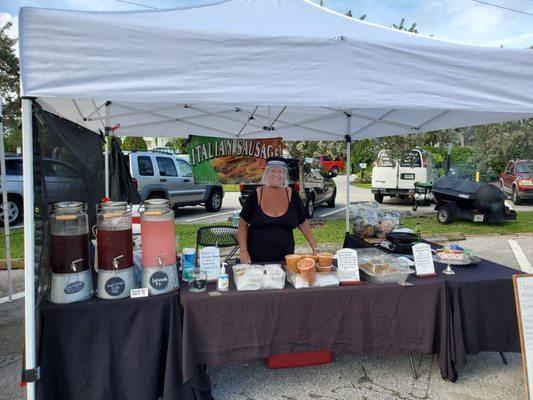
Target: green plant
<point>133,143</point>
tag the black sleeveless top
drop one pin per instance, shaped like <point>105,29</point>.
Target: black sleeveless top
<point>271,238</point>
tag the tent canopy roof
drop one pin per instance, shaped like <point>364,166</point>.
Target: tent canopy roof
<point>262,68</point>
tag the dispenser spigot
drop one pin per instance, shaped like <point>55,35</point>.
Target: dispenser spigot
<point>160,262</point>
<point>115,261</point>
<point>73,264</point>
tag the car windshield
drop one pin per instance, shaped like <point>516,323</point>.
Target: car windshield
<point>525,168</point>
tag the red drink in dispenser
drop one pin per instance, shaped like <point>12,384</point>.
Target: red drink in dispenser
<point>116,275</point>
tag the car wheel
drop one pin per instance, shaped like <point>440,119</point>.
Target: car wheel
<point>334,171</point>
<point>310,206</point>
<point>444,215</point>
<point>214,202</point>
<point>516,198</point>
<point>14,205</point>
<point>378,197</point>
<point>331,202</point>
<point>156,195</point>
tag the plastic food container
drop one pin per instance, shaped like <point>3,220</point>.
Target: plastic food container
<point>291,261</point>
<point>258,277</point>
<point>380,268</point>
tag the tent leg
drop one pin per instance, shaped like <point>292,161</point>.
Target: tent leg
<point>6,209</point>
<point>348,168</point>
<point>106,167</point>
<point>106,155</point>
<point>29,241</point>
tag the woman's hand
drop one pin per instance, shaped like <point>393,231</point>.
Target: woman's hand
<point>244,257</point>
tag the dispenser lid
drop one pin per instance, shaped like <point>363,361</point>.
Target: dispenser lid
<point>157,205</point>
<point>68,207</point>
<point>114,206</point>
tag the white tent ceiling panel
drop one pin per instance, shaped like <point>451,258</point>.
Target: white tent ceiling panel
<point>262,68</point>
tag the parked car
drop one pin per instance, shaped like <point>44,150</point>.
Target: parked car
<point>62,182</point>
<point>318,187</point>
<point>392,178</point>
<point>332,165</point>
<point>517,180</point>
<point>160,175</point>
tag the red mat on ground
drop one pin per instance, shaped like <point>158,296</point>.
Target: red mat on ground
<point>303,359</point>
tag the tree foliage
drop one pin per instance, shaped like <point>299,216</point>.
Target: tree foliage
<point>9,86</point>
<point>132,143</point>
<point>177,144</point>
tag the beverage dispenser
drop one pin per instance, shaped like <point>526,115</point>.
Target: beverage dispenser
<point>116,275</point>
<point>69,253</point>
<point>158,243</point>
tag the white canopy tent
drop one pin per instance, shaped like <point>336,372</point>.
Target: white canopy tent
<point>253,68</point>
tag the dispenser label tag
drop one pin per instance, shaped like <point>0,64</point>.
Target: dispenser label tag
<point>159,280</point>
<point>115,286</point>
<point>74,287</point>
<point>141,292</point>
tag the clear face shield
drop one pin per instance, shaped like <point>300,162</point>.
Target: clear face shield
<point>276,174</point>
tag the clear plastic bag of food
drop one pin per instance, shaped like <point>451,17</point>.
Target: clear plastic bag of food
<point>371,221</point>
<point>382,268</point>
<point>258,277</point>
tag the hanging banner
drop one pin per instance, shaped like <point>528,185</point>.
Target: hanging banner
<point>224,160</point>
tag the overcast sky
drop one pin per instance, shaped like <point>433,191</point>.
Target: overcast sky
<point>458,20</point>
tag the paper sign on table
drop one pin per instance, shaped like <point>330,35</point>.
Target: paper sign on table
<point>209,260</point>
<point>423,260</point>
<point>347,265</point>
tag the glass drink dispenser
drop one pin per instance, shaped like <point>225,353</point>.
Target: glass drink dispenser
<point>158,244</point>
<point>115,250</point>
<point>69,253</point>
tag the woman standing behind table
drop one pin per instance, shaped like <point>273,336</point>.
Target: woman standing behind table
<point>270,215</point>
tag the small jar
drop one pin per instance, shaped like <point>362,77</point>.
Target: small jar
<point>197,281</point>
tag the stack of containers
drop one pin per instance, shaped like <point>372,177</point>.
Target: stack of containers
<point>69,253</point>
<point>158,243</point>
<point>114,240</point>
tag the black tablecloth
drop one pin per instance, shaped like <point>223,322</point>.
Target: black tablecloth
<point>115,349</point>
<point>483,309</point>
<point>379,319</point>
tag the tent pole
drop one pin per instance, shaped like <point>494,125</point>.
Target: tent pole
<point>6,209</point>
<point>106,155</point>
<point>348,168</point>
<point>29,241</point>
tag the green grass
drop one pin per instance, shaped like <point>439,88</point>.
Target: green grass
<point>231,188</point>
<point>17,244</point>
<point>362,185</point>
<point>333,231</point>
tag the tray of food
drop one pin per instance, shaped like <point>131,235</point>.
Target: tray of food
<point>381,268</point>
<point>455,255</point>
<point>258,277</point>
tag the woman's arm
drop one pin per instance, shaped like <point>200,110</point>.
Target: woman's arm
<point>305,228</point>
<point>242,235</point>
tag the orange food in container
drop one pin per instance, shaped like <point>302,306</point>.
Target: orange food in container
<point>325,259</point>
<point>291,261</point>
<point>306,266</point>
<point>324,269</point>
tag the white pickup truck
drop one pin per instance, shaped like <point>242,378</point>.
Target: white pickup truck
<point>391,178</point>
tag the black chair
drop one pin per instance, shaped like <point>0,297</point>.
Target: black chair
<point>218,236</point>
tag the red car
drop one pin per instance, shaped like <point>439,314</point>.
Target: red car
<point>517,180</point>
<point>332,165</point>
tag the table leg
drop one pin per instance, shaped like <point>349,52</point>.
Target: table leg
<point>413,367</point>
<point>504,359</point>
